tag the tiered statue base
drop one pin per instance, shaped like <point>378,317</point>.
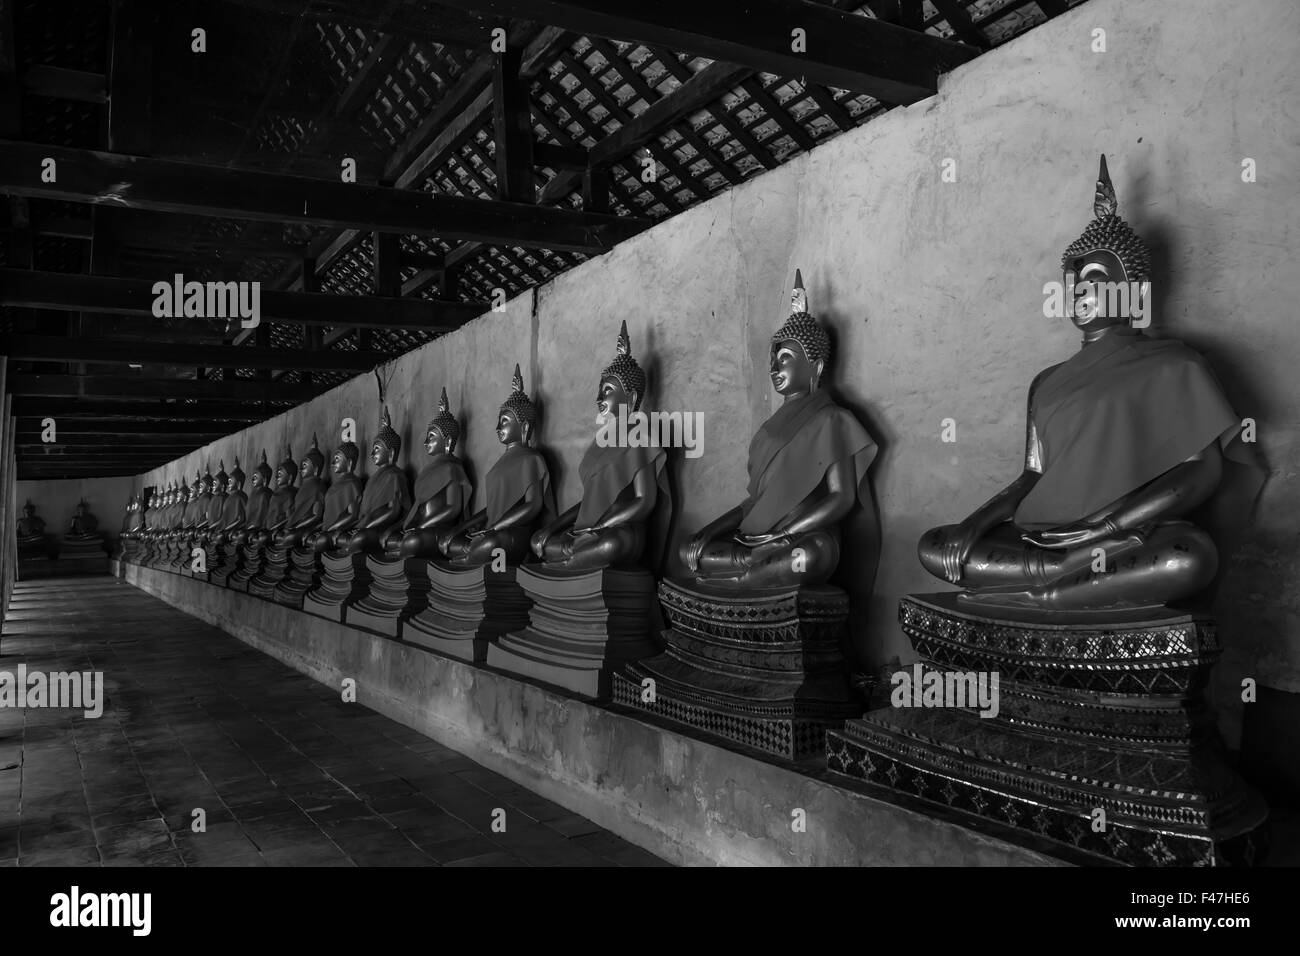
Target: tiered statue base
<point>304,574</point>
<point>399,589</point>
<point>94,548</point>
<point>343,581</point>
<point>469,608</point>
<point>252,567</point>
<point>230,559</point>
<point>582,627</point>
<point>1098,712</point>
<point>275,568</point>
<point>763,668</point>
<point>129,549</point>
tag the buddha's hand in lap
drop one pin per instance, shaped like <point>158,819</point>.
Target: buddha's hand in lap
<point>957,548</point>
<point>1072,535</point>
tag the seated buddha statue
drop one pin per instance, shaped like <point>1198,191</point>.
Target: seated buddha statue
<point>259,499</point>
<point>234,508</point>
<point>308,503</point>
<point>83,530</point>
<point>1123,441</point>
<point>281,504</point>
<point>386,498</point>
<point>442,492</point>
<point>342,502</point>
<point>216,506</point>
<point>807,469</point>
<point>184,511</point>
<point>518,489</point>
<point>202,507</point>
<point>31,533</point>
<point>620,485</point>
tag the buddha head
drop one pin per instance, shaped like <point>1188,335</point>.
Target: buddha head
<point>80,511</point>
<point>183,492</point>
<point>345,458</point>
<point>387,444</point>
<point>286,471</point>
<point>220,480</point>
<point>29,509</point>
<point>800,348</point>
<point>1103,265</point>
<point>313,462</point>
<point>236,482</point>
<point>622,383</point>
<point>198,482</point>
<point>262,473</point>
<point>443,431</point>
<point>518,419</point>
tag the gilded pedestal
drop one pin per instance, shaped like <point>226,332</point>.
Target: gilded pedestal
<point>275,567</point>
<point>764,668</point>
<point>304,574</point>
<point>581,628</point>
<point>343,581</point>
<point>1101,711</point>
<point>399,589</point>
<point>469,608</point>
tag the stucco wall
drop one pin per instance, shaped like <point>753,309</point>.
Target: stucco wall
<point>56,501</point>
<point>934,289</point>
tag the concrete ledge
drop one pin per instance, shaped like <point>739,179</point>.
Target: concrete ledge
<point>686,800</point>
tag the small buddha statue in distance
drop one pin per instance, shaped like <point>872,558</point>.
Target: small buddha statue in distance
<point>281,504</point>
<point>30,531</point>
<point>518,489</point>
<point>386,498</point>
<point>259,500</point>
<point>342,500</point>
<point>308,503</point>
<point>620,485</point>
<point>234,509</point>
<point>1123,440</point>
<point>84,526</point>
<point>442,492</point>
<point>807,468</point>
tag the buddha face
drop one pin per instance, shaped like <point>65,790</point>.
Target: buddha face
<point>792,373</point>
<point>233,485</point>
<point>29,510</point>
<point>338,462</point>
<point>380,453</point>
<point>1096,277</point>
<point>307,467</point>
<point>510,430</point>
<point>435,442</point>
<point>610,397</point>
<point>259,481</point>
<point>281,476</point>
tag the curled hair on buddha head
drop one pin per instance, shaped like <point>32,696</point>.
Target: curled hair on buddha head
<point>315,456</point>
<point>350,452</point>
<point>221,475</point>
<point>237,473</point>
<point>625,370</point>
<point>387,435</point>
<point>521,405</point>
<point>264,469</point>
<point>803,328</point>
<point>1109,233</point>
<point>446,422</point>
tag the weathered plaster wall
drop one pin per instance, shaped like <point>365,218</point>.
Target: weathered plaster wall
<point>56,501</point>
<point>934,289</point>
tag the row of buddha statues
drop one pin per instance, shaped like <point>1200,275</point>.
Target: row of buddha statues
<point>1125,441</point>
<point>82,538</point>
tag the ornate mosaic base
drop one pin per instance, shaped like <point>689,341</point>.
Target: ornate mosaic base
<point>399,589</point>
<point>764,669</point>
<point>344,579</point>
<point>275,567</point>
<point>304,574</point>
<point>581,627</point>
<point>1096,712</point>
<point>469,608</point>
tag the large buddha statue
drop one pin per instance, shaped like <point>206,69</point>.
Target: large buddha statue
<point>620,485</point>
<point>308,503</point>
<point>342,499</point>
<point>281,505</point>
<point>386,498</point>
<point>259,499</point>
<point>1123,441</point>
<point>807,469</point>
<point>442,492</point>
<point>518,490</point>
<point>31,533</point>
<point>83,538</point>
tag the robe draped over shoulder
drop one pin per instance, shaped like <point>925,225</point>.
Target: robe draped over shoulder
<point>342,494</point>
<point>442,470</point>
<point>388,484</point>
<point>507,482</point>
<point>310,493</point>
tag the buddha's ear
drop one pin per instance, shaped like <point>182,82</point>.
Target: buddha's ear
<point>634,400</point>
<point>818,367</point>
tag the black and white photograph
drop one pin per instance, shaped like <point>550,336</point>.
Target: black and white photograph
<point>647,434</point>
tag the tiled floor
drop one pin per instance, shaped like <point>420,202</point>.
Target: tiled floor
<point>287,774</point>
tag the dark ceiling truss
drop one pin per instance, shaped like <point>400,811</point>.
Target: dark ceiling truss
<point>476,173</point>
